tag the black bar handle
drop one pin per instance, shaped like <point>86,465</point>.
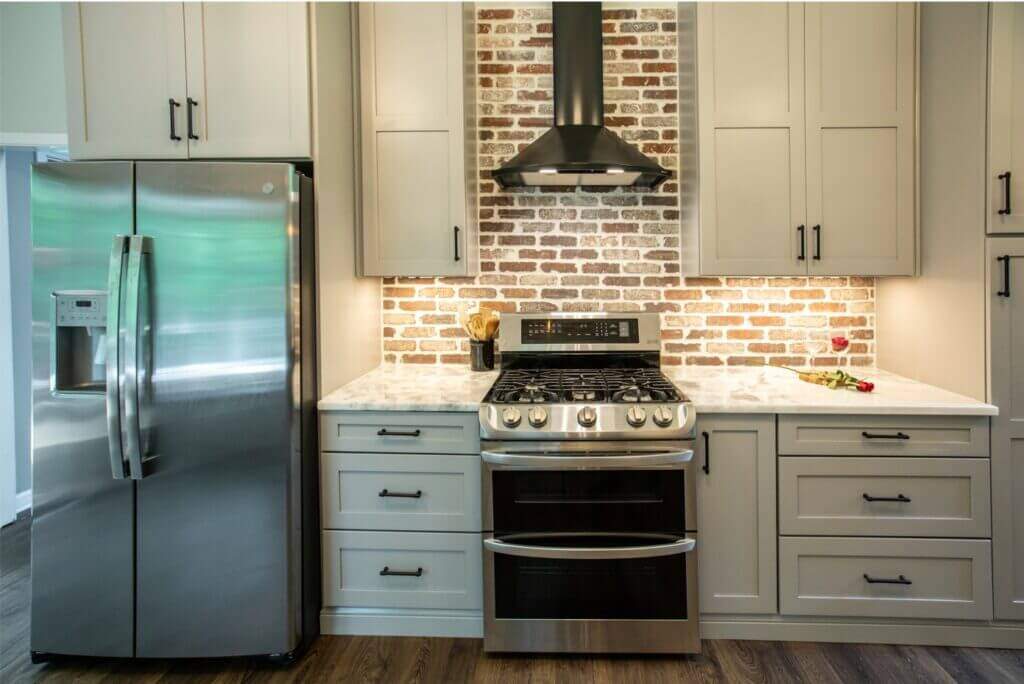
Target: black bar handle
<point>817,242</point>
<point>1005,177</point>
<point>707,453</point>
<point>408,495</point>
<point>884,580</point>
<point>1005,292</point>
<point>388,572</point>
<point>803,243</point>
<point>384,432</point>
<point>898,498</point>
<point>192,104</point>
<point>456,233</point>
<point>874,435</point>
<point>171,104</point>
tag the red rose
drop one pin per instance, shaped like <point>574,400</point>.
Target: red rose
<point>865,386</point>
<point>840,343</point>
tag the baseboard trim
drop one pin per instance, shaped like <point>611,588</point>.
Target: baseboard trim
<point>22,501</point>
<point>984,635</point>
<point>396,623</point>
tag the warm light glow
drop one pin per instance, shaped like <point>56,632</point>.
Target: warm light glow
<point>549,170</point>
<point>614,171</point>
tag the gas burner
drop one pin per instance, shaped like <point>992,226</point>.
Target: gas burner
<point>576,385</point>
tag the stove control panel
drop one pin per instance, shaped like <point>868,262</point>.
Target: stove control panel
<point>579,330</point>
<point>596,421</point>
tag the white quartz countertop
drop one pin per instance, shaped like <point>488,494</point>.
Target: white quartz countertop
<point>392,387</point>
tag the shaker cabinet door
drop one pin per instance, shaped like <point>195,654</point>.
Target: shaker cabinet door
<point>861,159</point>
<point>414,209</point>
<point>248,79</point>
<point>751,101</point>
<point>736,490</point>
<point>125,77</point>
<point>1006,305</point>
<point>1006,118</point>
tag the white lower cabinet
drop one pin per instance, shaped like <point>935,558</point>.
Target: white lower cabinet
<point>891,578</point>
<point>735,470</point>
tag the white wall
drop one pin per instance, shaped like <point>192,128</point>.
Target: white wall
<point>32,98</point>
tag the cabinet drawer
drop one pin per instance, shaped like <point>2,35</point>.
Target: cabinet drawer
<point>946,578</point>
<point>439,492</point>
<point>411,432</point>
<point>936,497</point>
<point>883,435</point>
<point>448,566</point>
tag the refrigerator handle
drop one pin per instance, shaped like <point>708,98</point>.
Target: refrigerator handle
<point>138,245</point>
<point>113,355</point>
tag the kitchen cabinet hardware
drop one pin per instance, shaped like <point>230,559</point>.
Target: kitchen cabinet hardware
<point>707,453</point>
<point>171,105</point>
<point>192,104</point>
<point>899,498</point>
<point>803,243</point>
<point>388,572</point>
<point>885,580</point>
<point>412,495</point>
<point>1005,292</point>
<point>876,435</point>
<point>1006,210</point>
<point>456,231</point>
<point>384,432</point>
<point>817,242</point>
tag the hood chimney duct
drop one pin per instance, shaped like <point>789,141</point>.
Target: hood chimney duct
<point>578,64</point>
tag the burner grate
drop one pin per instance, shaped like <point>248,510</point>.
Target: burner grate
<point>616,385</point>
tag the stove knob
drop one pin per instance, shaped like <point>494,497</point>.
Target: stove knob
<point>537,416</point>
<point>511,417</point>
<point>587,416</point>
<point>636,416</point>
<point>663,416</point>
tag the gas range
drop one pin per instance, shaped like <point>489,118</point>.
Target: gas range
<point>586,377</point>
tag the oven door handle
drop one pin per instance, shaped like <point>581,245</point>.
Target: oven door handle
<point>506,458</point>
<point>595,553</point>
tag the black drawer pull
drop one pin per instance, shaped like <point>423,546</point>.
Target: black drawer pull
<point>898,498</point>
<point>875,435</point>
<point>884,580</point>
<point>408,495</point>
<point>456,232</point>
<point>1006,210</point>
<point>817,243</point>
<point>191,131</point>
<point>171,104</point>
<point>1005,292</point>
<point>803,244</point>
<point>418,572</point>
<point>384,432</point>
<point>707,453</point>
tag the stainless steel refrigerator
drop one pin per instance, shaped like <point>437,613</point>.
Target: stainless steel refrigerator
<point>173,419</point>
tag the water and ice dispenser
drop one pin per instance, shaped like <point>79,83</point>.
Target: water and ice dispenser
<point>79,347</point>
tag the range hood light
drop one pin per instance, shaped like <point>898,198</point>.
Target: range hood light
<point>549,170</point>
<point>614,171</point>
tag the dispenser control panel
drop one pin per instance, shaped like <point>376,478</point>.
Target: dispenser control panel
<point>81,309</point>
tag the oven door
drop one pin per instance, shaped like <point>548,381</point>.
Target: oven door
<point>590,593</point>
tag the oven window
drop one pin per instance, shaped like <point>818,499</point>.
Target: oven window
<point>614,589</point>
<point>589,500</point>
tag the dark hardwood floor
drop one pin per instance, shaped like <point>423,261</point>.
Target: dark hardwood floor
<point>379,659</point>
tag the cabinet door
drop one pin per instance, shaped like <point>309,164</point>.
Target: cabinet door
<point>861,158</point>
<point>248,79</point>
<point>414,189</point>
<point>1006,118</point>
<point>751,128</point>
<point>124,65</point>
<point>736,514</point>
<point>1007,339</point>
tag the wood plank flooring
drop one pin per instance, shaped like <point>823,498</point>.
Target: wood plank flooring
<point>380,659</point>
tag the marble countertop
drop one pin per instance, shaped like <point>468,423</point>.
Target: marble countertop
<point>393,387</point>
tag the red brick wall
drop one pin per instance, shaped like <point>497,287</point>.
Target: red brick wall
<point>611,250</point>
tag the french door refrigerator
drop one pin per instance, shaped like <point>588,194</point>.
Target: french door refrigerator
<point>173,419</point>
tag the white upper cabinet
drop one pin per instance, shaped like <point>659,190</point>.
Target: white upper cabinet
<point>418,166</point>
<point>248,79</point>
<point>193,80</point>
<point>861,95</point>
<point>806,128</point>
<point>751,100</point>
<point>1006,119</point>
<point>125,73</point>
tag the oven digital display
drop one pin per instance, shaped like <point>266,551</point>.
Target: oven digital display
<point>579,331</point>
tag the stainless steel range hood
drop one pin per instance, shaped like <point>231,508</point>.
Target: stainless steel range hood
<point>579,150</point>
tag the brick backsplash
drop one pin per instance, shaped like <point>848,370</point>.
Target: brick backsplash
<point>614,249</point>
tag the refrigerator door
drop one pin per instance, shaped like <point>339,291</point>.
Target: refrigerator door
<point>82,509</point>
<point>218,570</point>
